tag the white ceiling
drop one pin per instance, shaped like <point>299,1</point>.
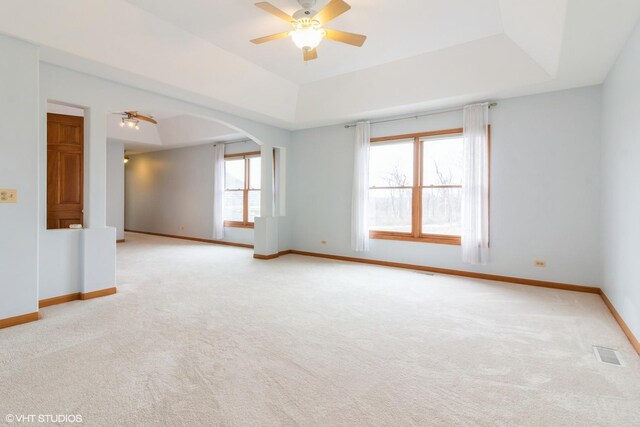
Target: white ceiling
<point>420,54</point>
<point>395,30</point>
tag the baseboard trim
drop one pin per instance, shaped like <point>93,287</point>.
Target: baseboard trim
<point>517,280</point>
<point>19,320</point>
<point>272,256</point>
<point>58,300</point>
<point>623,325</point>
<point>120,241</point>
<point>98,294</point>
<point>193,239</point>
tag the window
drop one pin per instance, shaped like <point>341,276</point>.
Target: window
<point>242,189</point>
<point>416,187</point>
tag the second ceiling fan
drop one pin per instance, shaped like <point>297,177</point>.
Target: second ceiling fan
<point>308,29</point>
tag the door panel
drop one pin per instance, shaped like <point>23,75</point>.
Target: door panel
<point>70,191</point>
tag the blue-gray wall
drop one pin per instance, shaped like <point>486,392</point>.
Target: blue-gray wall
<point>621,178</point>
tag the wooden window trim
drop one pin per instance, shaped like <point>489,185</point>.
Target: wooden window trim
<point>422,238</point>
<point>416,221</point>
<point>246,154</point>
<point>245,223</point>
<point>417,135</point>
<point>239,224</point>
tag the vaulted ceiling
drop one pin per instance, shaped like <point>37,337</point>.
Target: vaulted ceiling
<point>419,53</point>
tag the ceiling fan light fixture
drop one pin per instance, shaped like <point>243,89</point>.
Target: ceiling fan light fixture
<point>307,32</point>
<point>130,122</point>
<point>307,36</point>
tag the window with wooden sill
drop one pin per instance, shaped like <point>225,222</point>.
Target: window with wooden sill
<point>242,189</point>
<point>415,188</point>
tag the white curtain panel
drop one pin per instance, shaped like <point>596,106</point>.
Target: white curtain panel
<point>218,191</point>
<point>360,191</point>
<point>475,185</point>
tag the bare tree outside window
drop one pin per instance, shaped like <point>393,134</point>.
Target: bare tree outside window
<point>391,180</point>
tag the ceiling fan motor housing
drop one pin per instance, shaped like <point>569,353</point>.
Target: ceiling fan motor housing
<point>306,11</point>
<point>304,14</point>
<point>307,4</point>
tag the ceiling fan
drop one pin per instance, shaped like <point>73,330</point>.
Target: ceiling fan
<point>132,118</point>
<point>308,29</point>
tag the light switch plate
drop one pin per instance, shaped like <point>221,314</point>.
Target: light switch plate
<point>8,196</point>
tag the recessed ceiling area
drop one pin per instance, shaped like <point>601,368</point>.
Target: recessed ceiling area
<point>174,130</point>
<point>394,29</point>
<point>419,54</point>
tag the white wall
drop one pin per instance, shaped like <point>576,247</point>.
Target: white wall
<point>171,192</point>
<point>544,190</point>
<point>60,264</point>
<point>115,187</point>
<point>621,175</point>
<point>19,170</point>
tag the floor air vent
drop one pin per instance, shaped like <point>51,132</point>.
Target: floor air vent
<point>607,355</point>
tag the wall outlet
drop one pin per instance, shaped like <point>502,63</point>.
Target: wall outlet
<point>538,263</point>
<point>8,196</point>
<point>182,227</point>
<point>324,242</point>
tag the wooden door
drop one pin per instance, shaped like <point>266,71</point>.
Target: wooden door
<point>65,170</point>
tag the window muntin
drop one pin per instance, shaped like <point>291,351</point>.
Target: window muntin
<point>416,187</point>
<point>242,189</point>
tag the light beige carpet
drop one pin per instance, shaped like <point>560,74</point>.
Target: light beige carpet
<point>205,335</point>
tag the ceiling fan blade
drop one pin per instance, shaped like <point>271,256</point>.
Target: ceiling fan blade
<point>343,37</point>
<point>146,119</point>
<point>332,10</point>
<point>310,55</point>
<point>270,38</point>
<point>269,8</point>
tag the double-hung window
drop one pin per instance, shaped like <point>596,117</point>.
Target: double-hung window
<point>416,187</point>
<point>242,189</point>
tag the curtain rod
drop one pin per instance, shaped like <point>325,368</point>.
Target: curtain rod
<point>417,116</point>
<point>234,142</point>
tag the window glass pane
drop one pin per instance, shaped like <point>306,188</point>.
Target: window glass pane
<point>441,211</point>
<point>391,165</point>
<point>234,174</point>
<point>390,210</point>
<point>254,173</point>
<point>254,204</point>
<point>442,161</point>
<point>233,205</point>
